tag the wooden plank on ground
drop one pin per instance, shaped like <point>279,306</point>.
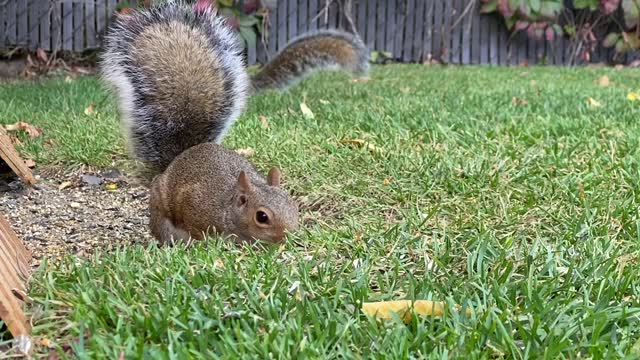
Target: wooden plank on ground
<point>9,154</point>
<point>14,271</point>
<point>23,28</point>
<point>422,31</point>
<point>90,24</point>
<point>78,26</point>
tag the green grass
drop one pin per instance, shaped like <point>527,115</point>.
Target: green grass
<point>528,214</point>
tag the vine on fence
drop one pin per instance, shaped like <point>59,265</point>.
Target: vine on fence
<point>548,19</point>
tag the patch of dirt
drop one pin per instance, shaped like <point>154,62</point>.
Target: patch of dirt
<point>76,213</point>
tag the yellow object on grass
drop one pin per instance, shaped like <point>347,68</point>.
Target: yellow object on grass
<point>385,309</point>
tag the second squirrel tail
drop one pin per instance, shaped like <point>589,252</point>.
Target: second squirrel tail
<point>319,50</point>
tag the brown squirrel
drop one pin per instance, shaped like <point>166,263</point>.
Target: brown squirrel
<point>181,83</point>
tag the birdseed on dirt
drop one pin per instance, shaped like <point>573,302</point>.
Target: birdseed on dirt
<point>76,212</point>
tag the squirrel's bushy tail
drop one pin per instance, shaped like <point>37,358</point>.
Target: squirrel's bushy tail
<point>313,51</point>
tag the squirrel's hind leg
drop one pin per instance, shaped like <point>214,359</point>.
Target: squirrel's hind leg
<point>167,233</point>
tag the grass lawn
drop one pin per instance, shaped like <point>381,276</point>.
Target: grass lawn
<point>526,211</point>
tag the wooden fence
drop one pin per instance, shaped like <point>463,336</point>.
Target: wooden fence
<point>450,31</point>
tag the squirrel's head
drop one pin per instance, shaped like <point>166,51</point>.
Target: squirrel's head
<point>263,211</point>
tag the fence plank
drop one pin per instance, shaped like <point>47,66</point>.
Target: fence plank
<point>3,33</point>
<point>56,25</point>
<point>282,24</point>
<point>391,27</point>
<point>23,29</point>
<point>466,36</point>
<point>361,17</point>
<point>485,46</point>
<point>456,43</point>
<point>34,23</point>
<point>475,38</point>
<point>446,32</point>
<point>334,14</point>
<point>371,24</point>
<point>45,25</point>
<point>503,57</point>
<point>313,12</point>
<point>409,31</point>
<point>90,23</point>
<point>78,25</point>
<point>494,45</point>
<point>401,17</point>
<point>438,17</point>
<point>67,25</point>
<point>380,25</point>
<point>292,15</point>
<point>101,18</point>
<point>273,32</point>
<point>421,32</point>
<point>303,17</point>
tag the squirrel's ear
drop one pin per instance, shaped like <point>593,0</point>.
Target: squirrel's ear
<point>273,178</point>
<point>244,184</point>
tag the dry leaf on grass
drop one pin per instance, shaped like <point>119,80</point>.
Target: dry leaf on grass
<point>361,143</point>
<point>385,309</point>
<point>246,152</point>
<point>306,111</point>
<point>42,55</point>
<point>323,102</point>
<point>111,186</point>
<point>31,130</point>
<point>264,121</point>
<point>386,181</point>
<point>593,102</point>
<point>64,185</point>
<point>361,80</point>
<point>90,110</point>
<point>518,101</point>
<point>604,81</point>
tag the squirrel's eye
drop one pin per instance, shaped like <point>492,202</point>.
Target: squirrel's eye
<point>262,217</point>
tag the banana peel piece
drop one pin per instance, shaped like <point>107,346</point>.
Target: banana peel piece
<point>403,308</point>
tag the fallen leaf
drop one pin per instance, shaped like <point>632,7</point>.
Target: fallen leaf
<point>385,309</point>
<point>306,111</point>
<point>581,191</point>
<point>405,89</point>
<point>291,111</point>
<point>361,80</point>
<point>323,102</point>
<point>111,186</point>
<point>264,121</point>
<point>90,110</point>
<point>360,143</point>
<point>64,185</point>
<point>31,130</point>
<point>633,96</point>
<point>42,55</point>
<point>593,102</point>
<point>74,205</point>
<point>68,79</point>
<point>30,163</point>
<point>45,342</point>
<point>218,264</point>
<point>386,181</point>
<point>518,101</point>
<point>604,81</point>
<point>295,288</point>
<point>246,152</point>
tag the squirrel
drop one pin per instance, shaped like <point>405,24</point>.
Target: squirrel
<point>181,82</point>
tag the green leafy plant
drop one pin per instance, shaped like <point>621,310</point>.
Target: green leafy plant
<point>548,19</point>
